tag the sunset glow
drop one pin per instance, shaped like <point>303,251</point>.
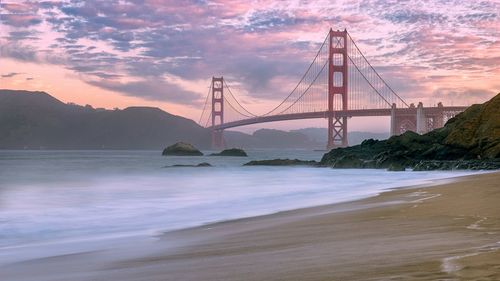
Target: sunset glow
<point>122,53</point>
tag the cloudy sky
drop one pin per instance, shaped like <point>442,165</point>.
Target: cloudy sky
<point>118,53</point>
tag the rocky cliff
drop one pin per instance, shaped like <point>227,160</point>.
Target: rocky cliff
<point>471,140</point>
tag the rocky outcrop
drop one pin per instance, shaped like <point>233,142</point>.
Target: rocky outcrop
<point>477,130</point>
<point>182,149</point>
<point>471,140</point>
<point>203,164</point>
<point>281,162</point>
<point>231,152</point>
<point>457,165</point>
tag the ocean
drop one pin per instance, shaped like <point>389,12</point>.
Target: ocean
<point>54,196</point>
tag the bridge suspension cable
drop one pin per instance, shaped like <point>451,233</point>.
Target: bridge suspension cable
<point>321,55</point>
<point>246,112</point>
<point>204,112</point>
<point>371,76</point>
<point>365,87</point>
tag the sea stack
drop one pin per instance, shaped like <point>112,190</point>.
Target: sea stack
<point>231,152</point>
<point>181,149</point>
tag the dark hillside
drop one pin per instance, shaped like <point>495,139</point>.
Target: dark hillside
<point>33,120</point>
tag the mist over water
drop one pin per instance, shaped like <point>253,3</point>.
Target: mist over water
<point>56,195</point>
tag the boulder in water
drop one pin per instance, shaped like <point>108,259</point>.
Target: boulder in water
<point>281,162</point>
<point>231,152</point>
<point>203,164</point>
<point>182,149</point>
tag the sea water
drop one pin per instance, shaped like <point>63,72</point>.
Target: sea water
<point>50,196</point>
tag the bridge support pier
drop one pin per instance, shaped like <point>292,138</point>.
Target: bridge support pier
<point>337,88</point>
<point>217,112</point>
<point>337,131</point>
<point>417,119</point>
<point>437,120</point>
<point>218,139</point>
<point>402,121</point>
<point>393,120</point>
<point>421,120</point>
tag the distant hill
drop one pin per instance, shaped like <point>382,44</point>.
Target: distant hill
<point>308,138</point>
<point>34,120</point>
<point>268,138</point>
<point>319,135</point>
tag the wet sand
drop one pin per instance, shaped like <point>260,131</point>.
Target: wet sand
<point>444,232</point>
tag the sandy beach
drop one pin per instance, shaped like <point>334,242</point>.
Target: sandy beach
<point>449,231</point>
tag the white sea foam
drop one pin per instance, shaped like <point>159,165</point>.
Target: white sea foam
<point>451,265</point>
<point>50,196</point>
<point>476,224</point>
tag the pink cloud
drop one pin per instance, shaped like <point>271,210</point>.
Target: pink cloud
<point>21,20</point>
<point>353,19</point>
<point>20,8</point>
<point>419,49</point>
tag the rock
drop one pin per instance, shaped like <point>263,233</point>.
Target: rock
<point>348,161</point>
<point>396,167</point>
<point>182,149</point>
<point>477,129</point>
<point>203,164</point>
<point>471,140</point>
<point>281,162</point>
<point>395,159</point>
<point>231,152</point>
<point>429,165</point>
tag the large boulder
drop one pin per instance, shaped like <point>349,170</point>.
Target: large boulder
<point>182,149</point>
<point>231,152</point>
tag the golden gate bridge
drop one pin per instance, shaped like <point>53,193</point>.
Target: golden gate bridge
<point>339,84</point>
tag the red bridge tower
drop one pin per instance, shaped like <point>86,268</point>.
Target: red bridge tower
<point>337,88</point>
<point>217,112</point>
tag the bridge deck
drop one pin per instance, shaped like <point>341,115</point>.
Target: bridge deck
<point>344,113</point>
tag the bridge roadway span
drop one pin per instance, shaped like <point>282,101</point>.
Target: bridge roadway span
<point>411,111</point>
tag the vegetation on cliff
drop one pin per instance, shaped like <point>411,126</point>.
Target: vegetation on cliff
<point>470,140</point>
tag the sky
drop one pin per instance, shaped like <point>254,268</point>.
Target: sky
<point>120,53</point>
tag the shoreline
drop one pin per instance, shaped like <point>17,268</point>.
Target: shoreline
<point>428,184</point>
<point>159,232</point>
<point>314,242</point>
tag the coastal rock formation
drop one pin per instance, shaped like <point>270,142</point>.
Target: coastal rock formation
<point>477,130</point>
<point>203,164</point>
<point>471,140</point>
<point>182,149</point>
<point>281,162</point>
<point>429,165</point>
<point>231,152</point>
